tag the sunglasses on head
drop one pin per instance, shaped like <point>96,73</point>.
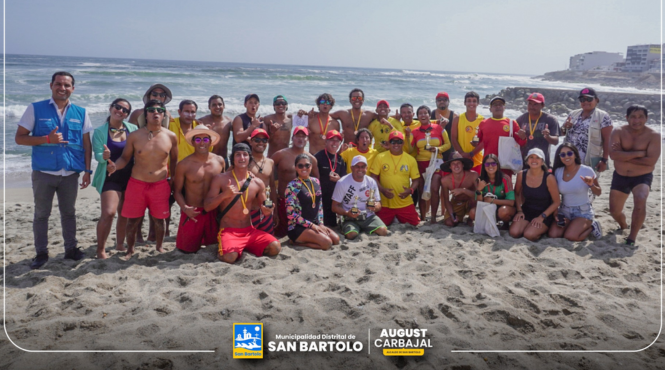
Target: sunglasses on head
<point>357,98</point>
<point>121,108</point>
<point>156,94</point>
<point>277,103</point>
<point>114,130</point>
<point>323,101</point>
<point>198,140</point>
<point>586,99</point>
<point>569,153</point>
<point>490,164</point>
<point>155,109</point>
<point>304,165</point>
<point>400,142</point>
<point>260,140</point>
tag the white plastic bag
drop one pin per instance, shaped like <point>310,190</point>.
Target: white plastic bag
<point>434,164</point>
<point>485,222</point>
<point>510,154</point>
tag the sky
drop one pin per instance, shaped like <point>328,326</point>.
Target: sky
<point>509,36</point>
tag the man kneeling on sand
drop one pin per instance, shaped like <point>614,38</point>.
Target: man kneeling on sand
<point>356,198</point>
<point>461,183</point>
<point>235,192</point>
<point>194,174</point>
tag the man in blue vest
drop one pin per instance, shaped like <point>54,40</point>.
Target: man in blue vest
<point>59,133</point>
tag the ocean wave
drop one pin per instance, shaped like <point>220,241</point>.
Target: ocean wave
<point>136,73</point>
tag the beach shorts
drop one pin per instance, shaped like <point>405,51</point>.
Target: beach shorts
<point>281,229</point>
<point>625,184</point>
<point>240,239</point>
<point>405,215</point>
<point>266,224</point>
<point>295,233</point>
<point>193,234</point>
<point>461,209</point>
<point>583,211</point>
<point>140,195</point>
<point>422,167</point>
<point>370,225</point>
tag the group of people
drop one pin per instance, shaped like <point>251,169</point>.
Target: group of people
<point>246,199</point>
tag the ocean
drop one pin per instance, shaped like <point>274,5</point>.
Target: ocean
<point>100,80</point>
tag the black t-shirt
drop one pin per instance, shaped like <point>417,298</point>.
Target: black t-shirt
<point>448,128</point>
<point>538,138</point>
<point>325,160</point>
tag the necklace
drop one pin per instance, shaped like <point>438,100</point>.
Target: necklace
<point>246,193</point>
<point>533,128</point>
<point>323,129</point>
<point>151,134</point>
<point>263,163</point>
<point>311,192</point>
<point>332,168</point>
<point>398,162</point>
<point>356,125</point>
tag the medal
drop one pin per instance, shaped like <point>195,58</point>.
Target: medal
<point>323,129</point>
<point>245,211</point>
<point>323,137</point>
<point>530,137</point>
<point>355,133</point>
<point>246,192</point>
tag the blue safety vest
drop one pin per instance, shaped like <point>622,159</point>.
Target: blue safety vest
<point>54,157</point>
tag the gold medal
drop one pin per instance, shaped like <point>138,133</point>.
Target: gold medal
<point>245,211</point>
<point>530,137</point>
<point>355,132</point>
<point>323,137</point>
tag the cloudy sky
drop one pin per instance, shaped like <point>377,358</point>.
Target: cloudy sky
<point>509,36</point>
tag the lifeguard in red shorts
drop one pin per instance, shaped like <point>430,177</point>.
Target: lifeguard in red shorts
<point>236,233</point>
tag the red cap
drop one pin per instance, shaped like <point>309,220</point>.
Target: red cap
<point>333,133</point>
<point>536,97</point>
<point>259,131</point>
<point>443,95</point>
<point>382,102</point>
<point>300,129</point>
<point>395,134</point>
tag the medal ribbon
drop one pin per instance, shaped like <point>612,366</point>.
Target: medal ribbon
<point>323,130</point>
<point>246,192</point>
<point>532,129</point>
<point>311,192</point>
<point>356,125</point>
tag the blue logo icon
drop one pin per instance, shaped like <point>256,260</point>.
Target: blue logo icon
<point>248,340</point>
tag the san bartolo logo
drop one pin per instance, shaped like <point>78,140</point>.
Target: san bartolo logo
<point>506,128</point>
<point>248,340</point>
<point>386,167</point>
<point>403,342</point>
<point>468,129</point>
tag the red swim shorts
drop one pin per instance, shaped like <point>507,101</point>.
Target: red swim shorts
<point>404,215</point>
<point>282,228</point>
<point>239,239</point>
<point>152,195</point>
<point>193,233</point>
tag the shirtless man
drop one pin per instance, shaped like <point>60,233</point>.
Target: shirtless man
<point>219,123</point>
<point>246,123</point>
<point>635,149</point>
<point>279,125</point>
<point>286,171</point>
<point>320,123</point>
<point>262,168</point>
<point>236,231</point>
<point>194,174</point>
<point>153,147</point>
<point>461,183</point>
<point>355,118</point>
<point>154,92</point>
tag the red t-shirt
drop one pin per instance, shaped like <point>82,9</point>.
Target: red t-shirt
<point>489,131</point>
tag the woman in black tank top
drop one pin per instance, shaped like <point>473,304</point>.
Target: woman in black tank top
<point>537,197</point>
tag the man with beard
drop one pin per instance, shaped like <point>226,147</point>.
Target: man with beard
<point>236,232</point>
<point>154,92</point>
<point>219,123</point>
<point>246,123</point>
<point>279,125</point>
<point>262,168</point>
<point>444,117</point>
<point>194,174</point>
<point>355,118</point>
<point>539,129</point>
<point>286,171</point>
<point>331,169</point>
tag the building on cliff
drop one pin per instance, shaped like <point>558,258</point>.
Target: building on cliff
<point>642,58</point>
<point>594,60</point>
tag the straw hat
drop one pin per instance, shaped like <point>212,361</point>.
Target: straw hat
<point>202,130</point>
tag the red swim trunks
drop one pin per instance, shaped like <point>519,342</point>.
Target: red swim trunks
<point>281,229</point>
<point>404,215</point>
<point>239,239</point>
<point>152,195</point>
<point>193,234</point>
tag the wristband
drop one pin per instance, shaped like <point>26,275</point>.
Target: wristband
<point>604,160</point>
<point>478,192</point>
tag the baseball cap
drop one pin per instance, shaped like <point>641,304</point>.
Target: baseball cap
<point>259,131</point>
<point>300,129</point>
<point>358,159</point>
<point>497,98</point>
<point>333,133</point>
<point>443,94</point>
<point>382,102</point>
<point>587,91</point>
<point>279,97</point>
<point>396,134</point>
<point>249,96</point>
<point>536,97</point>
<point>537,152</point>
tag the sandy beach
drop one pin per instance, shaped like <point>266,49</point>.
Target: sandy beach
<point>470,291</point>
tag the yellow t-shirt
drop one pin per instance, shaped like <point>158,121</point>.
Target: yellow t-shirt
<point>465,132</point>
<point>394,173</point>
<point>348,155</point>
<point>184,148</point>
<point>381,132</point>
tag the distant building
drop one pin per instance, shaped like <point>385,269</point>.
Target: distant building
<point>594,60</point>
<point>642,58</point>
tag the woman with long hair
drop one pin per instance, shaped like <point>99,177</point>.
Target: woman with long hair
<point>575,219</point>
<point>304,211</point>
<point>495,187</point>
<point>107,144</point>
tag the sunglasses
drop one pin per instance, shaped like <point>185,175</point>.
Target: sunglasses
<point>304,165</point>
<point>400,142</point>
<point>156,94</point>
<point>198,140</point>
<point>568,153</point>
<point>442,99</point>
<point>259,140</point>
<point>322,101</point>
<point>280,103</point>
<point>490,164</point>
<point>155,109</point>
<point>114,130</point>
<point>586,99</point>
<point>357,98</point>
<point>121,108</point>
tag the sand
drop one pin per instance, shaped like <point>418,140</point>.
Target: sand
<point>470,291</point>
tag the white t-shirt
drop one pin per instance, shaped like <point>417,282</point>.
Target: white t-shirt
<point>347,189</point>
<point>575,192</point>
<point>28,122</point>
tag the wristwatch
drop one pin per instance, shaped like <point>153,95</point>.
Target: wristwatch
<point>88,172</point>
<point>604,160</point>
<point>543,215</point>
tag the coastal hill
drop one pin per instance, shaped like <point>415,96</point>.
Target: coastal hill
<point>639,80</point>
